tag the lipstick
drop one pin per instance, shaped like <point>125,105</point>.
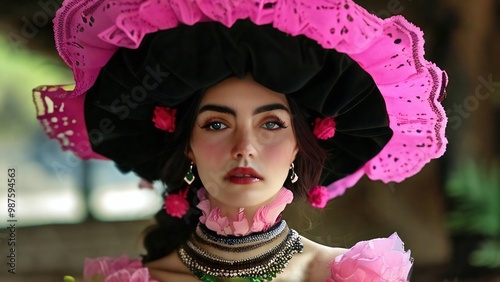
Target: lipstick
<point>243,175</point>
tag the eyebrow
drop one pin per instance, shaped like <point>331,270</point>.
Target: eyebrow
<point>228,110</point>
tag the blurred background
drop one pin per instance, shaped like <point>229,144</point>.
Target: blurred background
<point>448,214</point>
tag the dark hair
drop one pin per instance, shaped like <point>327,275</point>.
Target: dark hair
<point>169,232</point>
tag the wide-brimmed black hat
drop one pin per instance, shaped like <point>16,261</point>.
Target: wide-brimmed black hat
<point>338,62</point>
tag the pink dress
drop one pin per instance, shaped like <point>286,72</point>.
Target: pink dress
<point>377,260</point>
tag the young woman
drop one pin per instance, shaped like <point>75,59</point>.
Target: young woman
<point>238,107</point>
<point>242,145</point>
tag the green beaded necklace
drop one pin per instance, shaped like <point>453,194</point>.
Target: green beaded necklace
<point>209,278</point>
<point>262,268</point>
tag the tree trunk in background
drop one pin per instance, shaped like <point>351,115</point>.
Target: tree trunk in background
<point>473,59</point>
<point>473,56</point>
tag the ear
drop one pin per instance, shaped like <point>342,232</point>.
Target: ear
<point>294,153</point>
<point>189,153</point>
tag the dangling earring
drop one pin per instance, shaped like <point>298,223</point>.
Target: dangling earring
<point>294,177</point>
<point>189,178</point>
<point>176,205</point>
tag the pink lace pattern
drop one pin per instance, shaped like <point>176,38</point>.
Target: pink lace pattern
<point>265,217</point>
<point>390,50</point>
<point>62,122</point>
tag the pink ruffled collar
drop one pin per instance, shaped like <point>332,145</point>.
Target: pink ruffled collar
<point>264,218</point>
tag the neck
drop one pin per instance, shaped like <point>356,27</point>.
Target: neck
<point>241,221</point>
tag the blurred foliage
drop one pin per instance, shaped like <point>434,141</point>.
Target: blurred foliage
<point>475,191</point>
<point>22,70</point>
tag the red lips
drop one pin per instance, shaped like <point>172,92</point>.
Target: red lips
<point>243,175</point>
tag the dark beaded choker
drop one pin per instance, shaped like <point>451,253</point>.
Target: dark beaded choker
<point>252,241</point>
<point>264,267</point>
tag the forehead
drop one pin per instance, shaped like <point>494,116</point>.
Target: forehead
<point>244,93</point>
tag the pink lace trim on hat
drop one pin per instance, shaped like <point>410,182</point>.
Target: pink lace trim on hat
<point>390,50</point>
<point>61,121</point>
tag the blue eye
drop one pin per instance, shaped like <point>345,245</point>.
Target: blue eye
<point>273,125</point>
<point>215,126</point>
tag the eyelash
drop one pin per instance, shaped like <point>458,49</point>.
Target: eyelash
<point>274,120</point>
<point>278,122</point>
<point>209,123</point>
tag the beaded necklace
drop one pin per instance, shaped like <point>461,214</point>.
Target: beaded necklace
<point>238,243</point>
<point>263,267</point>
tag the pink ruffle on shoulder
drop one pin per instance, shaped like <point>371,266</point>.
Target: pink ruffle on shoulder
<point>377,260</point>
<point>264,218</point>
<point>121,269</point>
<point>391,50</point>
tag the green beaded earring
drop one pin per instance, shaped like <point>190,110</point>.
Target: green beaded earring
<point>189,178</point>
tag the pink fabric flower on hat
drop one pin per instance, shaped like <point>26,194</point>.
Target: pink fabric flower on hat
<point>176,205</point>
<point>164,118</point>
<point>324,128</point>
<point>377,260</point>
<point>318,196</point>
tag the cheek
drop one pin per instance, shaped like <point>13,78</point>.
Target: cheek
<point>206,152</point>
<point>206,157</point>
<point>280,154</point>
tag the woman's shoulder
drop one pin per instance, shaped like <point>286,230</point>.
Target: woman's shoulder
<point>381,259</point>
<point>170,269</point>
<point>321,256</point>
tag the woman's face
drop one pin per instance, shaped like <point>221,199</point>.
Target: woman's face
<point>242,142</point>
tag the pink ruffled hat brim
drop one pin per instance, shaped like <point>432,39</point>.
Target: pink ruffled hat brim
<point>390,50</point>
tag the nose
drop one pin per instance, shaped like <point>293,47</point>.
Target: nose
<point>243,146</point>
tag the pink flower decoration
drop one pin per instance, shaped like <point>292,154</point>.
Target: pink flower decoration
<point>318,196</point>
<point>378,260</point>
<point>164,118</point>
<point>176,204</point>
<point>324,128</point>
<point>121,269</point>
